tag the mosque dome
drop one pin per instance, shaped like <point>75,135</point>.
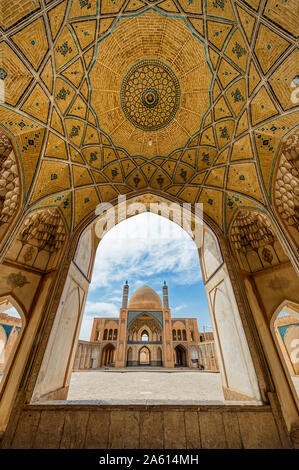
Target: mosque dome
<point>145,298</point>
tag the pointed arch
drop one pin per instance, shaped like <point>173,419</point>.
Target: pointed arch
<point>144,356</point>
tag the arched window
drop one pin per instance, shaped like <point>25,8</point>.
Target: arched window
<point>129,357</point>
<point>173,335</point>
<point>144,336</point>
<point>144,356</point>
<point>184,335</point>
<point>192,335</point>
<point>11,329</point>
<point>115,335</point>
<point>181,357</point>
<point>110,334</point>
<point>285,328</point>
<point>108,355</point>
<point>159,357</point>
<point>97,338</point>
<point>105,335</point>
<point>201,338</point>
<point>179,335</point>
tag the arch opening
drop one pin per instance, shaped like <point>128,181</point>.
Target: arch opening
<point>285,330</point>
<point>158,310</point>
<point>12,324</point>
<point>144,336</point>
<point>180,356</point>
<point>108,355</point>
<point>144,356</point>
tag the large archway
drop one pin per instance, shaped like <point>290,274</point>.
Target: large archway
<point>108,355</point>
<point>284,326</point>
<point>12,325</point>
<point>241,383</point>
<point>214,270</point>
<point>144,356</point>
<point>180,356</point>
<point>159,357</point>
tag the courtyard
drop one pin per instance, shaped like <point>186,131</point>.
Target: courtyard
<point>145,386</point>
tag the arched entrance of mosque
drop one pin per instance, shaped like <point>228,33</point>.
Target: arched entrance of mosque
<point>129,357</point>
<point>144,336</point>
<point>180,356</point>
<point>285,330</point>
<point>144,356</point>
<point>214,271</point>
<point>12,325</point>
<point>108,355</point>
<point>144,328</point>
<point>159,357</point>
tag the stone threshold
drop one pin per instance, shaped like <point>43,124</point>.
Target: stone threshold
<point>139,405</point>
<point>147,369</point>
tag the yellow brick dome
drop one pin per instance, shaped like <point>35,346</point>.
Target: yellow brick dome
<point>145,298</point>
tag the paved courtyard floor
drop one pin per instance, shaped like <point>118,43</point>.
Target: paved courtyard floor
<point>160,385</point>
<point>137,386</point>
<point>122,387</point>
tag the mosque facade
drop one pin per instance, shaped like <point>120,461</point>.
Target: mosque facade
<point>144,335</point>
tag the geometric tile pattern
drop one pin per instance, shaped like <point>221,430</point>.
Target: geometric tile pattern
<point>62,65</point>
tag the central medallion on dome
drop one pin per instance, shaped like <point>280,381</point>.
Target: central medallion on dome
<point>150,95</point>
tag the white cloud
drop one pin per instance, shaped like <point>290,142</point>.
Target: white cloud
<point>12,312</point>
<point>144,246</point>
<point>86,328</point>
<point>100,309</point>
<point>115,298</point>
<point>92,310</point>
<point>141,250</point>
<point>178,308</point>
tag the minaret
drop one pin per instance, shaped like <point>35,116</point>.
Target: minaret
<point>125,295</point>
<point>165,296</point>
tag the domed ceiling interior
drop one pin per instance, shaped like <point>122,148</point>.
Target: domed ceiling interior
<point>189,99</point>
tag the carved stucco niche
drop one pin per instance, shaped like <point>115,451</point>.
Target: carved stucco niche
<point>254,241</point>
<point>9,183</point>
<point>286,185</point>
<point>40,240</point>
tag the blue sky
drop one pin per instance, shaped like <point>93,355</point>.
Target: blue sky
<point>146,249</point>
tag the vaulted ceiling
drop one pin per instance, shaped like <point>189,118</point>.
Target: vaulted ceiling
<point>186,98</point>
